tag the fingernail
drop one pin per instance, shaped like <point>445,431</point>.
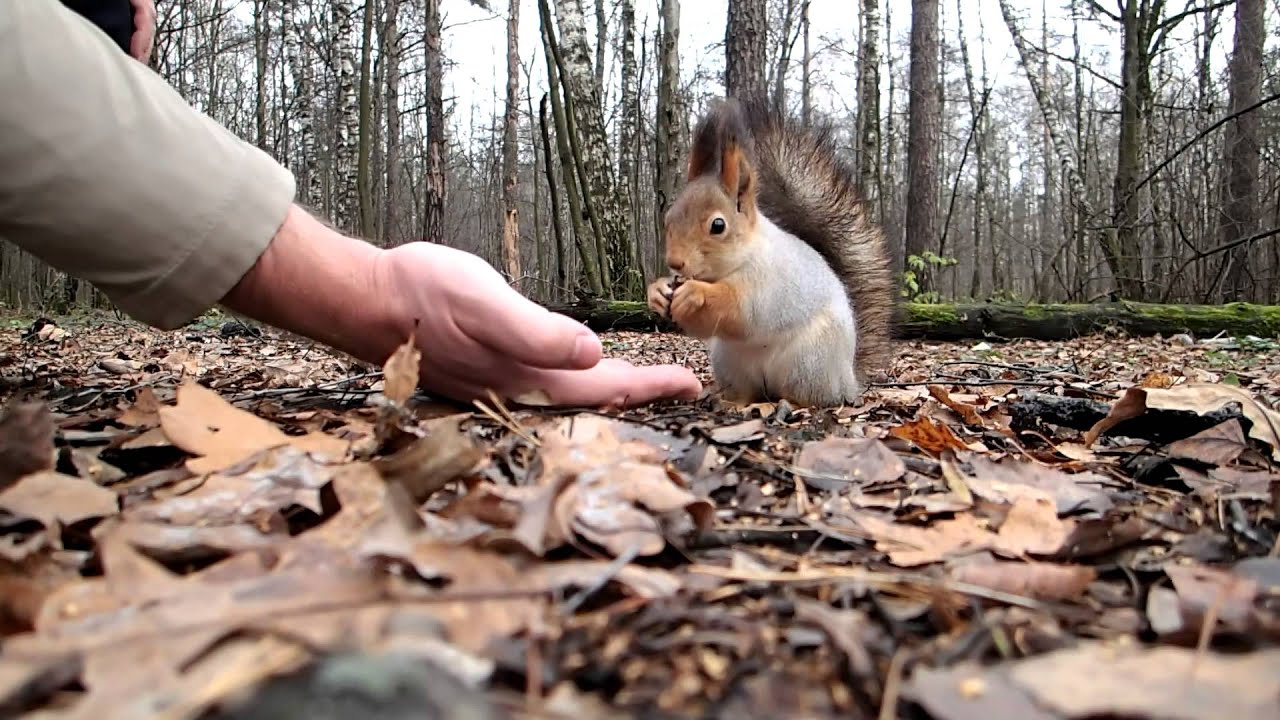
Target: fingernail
<point>586,350</point>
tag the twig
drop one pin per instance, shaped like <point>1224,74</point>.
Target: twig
<point>615,567</point>
<point>967,383</point>
<point>893,684</point>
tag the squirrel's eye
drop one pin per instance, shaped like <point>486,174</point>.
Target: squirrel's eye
<point>717,226</point>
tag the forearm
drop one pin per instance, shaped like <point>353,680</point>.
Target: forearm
<point>321,284</point>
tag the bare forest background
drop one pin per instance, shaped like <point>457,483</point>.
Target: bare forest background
<point>1129,149</point>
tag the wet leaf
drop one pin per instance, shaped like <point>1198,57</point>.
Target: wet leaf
<point>929,435</point>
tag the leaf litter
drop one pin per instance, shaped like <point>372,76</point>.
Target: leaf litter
<point>202,524</point>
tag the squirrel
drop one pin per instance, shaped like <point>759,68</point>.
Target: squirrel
<point>774,261</point>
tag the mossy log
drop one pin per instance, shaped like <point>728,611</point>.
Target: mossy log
<point>1006,321</point>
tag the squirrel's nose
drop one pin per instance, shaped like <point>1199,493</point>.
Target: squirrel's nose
<point>675,265</point>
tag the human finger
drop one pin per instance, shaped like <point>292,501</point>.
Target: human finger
<point>614,382</point>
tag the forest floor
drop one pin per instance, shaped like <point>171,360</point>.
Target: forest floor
<point>209,524</point>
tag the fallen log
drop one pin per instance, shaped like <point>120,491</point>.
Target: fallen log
<point>1003,321</point>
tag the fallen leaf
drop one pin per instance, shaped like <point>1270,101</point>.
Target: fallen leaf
<point>401,372</point>
<point>58,500</point>
<point>1032,527</point>
<point>967,692</point>
<point>1036,580</point>
<point>429,463</point>
<point>742,432</point>
<point>278,479</point>
<point>839,464</point>
<point>911,545</point>
<point>928,435</point>
<point>204,424</point>
<point>1008,479</point>
<point>1219,445</point>
<point>968,413</point>
<point>26,441</point>
<point>1096,679</point>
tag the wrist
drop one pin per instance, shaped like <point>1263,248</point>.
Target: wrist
<point>316,282</point>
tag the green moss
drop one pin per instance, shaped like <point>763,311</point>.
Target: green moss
<point>932,314</point>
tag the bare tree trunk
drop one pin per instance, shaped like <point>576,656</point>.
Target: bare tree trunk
<point>561,260</point>
<point>806,81</point>
<point>869,100</point>
<point>311,191</point>
<point>671,121</point>
<point>627,117</point>
<point>746,45</point>
<point>593,269</point>
<point>261,42</point>
<point>433,212</point>
<point>602,41</point>
<point>364,170</point>
<point>346,198</point>
<point>511,220</point>
<point>1242,145</point>
<point>582,98</point>
<point>391,57</point>
<point>924,133</point>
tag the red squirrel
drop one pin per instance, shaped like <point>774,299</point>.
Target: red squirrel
<point>775,263</point>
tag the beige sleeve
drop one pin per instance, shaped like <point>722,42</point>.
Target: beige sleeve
<point>108,174</point>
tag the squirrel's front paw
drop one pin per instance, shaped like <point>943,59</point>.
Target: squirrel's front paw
<point>687,302</point>
<point>660,296</point>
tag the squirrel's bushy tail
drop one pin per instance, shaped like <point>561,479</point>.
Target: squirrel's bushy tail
<point>807,189</point>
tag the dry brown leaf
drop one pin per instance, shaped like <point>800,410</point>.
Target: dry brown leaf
<point>278,479</point>
<point>432,462</point>
<point>613,488</point>
<point>911,545</point>
<point>1219,445</point>
<point>26,441</point>
<point>742,432</point>
<point>968,413</point>
<point>204,424</point>
<point>840,464</point>
<point>401,372</point>
<point>1130,405</point>
<point>1036,580</point>
<point>1009,479</point>
<point>1202,590</point>
<point>928,435</point>
<point>1032,527</point>
<point>144,412</point>
<point>1096,679</point>
<point>58,500</point>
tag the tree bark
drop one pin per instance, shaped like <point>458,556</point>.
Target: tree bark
<point>869,101</point>
<point>746,45</point>
<point>436,187</point>
<point>511,219</point>
<point>346,198</point>
<point>923,134</point>
<point>585,109</point>
<point>1242,145</point>
<point>391,57</point>
<point>561,259</point>
<point>364,170</point>
<point>671,121</point>
<point>592,268</point>
<point>261,43</point>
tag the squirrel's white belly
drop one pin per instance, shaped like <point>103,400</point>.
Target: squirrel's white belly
<point>809,364</point>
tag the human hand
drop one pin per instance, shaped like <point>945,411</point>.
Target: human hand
<point>477,333</point>
<point>144,30</point>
